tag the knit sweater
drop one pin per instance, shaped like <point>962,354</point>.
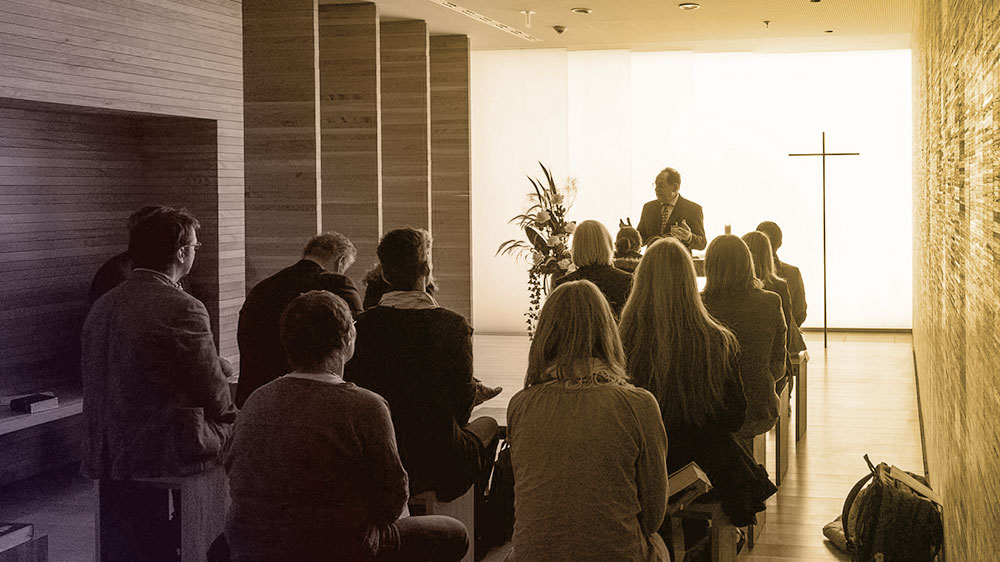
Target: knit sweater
<point>312,466</point>
<point>589,473</point>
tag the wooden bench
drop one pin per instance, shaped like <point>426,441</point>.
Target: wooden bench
<point>203,502</point>
<point>722,535</point>
<point>780,432</point>
<point>800,363</point>
<point>462,508</point>
<point>760,455</point>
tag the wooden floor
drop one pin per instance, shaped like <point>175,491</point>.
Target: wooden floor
<point>862,399</point>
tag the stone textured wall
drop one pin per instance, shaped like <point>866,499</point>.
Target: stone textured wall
<point>957,263</point>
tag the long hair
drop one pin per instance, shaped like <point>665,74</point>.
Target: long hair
<point>728,267</point>
<point>574,327</point>
<point>763,257</point>
<point>591,244</point>
<point>673,347</point>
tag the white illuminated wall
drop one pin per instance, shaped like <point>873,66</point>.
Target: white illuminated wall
<point>727,122</point>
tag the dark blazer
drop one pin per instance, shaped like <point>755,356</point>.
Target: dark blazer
<point>147,352</point>
<point>756,320</point>
<point>262,358</point>
<point>649,221</point>
<point>796,289</point>
<point>420,361</point>
<point>613,282</point>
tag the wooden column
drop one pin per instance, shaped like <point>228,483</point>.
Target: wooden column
<point>349,107</point>
<point>450,186</point>
<point>406,166</point>
<point>281,132</point>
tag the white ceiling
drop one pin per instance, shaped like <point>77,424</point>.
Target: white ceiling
<point>647,25</point>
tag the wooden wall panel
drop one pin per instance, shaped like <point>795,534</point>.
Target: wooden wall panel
<point>178,58</point>
<point>68,181</point>
<point>280,50</point>
<point>349,94</point>
<point>406,199</point>
<point>451,164</point>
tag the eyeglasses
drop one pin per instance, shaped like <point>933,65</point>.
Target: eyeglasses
<point>196,245</point>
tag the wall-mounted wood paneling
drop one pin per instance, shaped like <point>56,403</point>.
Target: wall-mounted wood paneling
<point>450,157</point>
<point>69,178</point>
<point>349,102</point>
<point>280,49</point>
<point>177,58</point>
<point>406,199</point>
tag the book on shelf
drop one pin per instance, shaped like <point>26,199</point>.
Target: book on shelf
<point>34,403</point>
<point>13,534</point>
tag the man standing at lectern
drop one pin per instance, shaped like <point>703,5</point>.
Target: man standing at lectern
<point>672,215</point>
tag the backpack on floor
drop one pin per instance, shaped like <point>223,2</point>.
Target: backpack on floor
<point>889,516</point>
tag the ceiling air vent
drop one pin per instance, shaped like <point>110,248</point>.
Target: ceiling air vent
<point>487,20</point>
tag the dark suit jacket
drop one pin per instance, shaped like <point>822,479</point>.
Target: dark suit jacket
<point>147,353</point>
<point>262,359</point>
<point>796,289</point>
<point>613,282</point>
<point>649,221</point>
<point>420,361</point>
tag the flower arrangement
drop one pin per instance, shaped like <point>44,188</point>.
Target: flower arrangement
<point>547,232</point>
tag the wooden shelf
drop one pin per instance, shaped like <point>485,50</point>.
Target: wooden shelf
<point>70,404</point>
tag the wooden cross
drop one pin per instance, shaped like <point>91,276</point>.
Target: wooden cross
<point>824,154</point>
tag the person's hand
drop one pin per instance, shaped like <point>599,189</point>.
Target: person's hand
<point>681,231</point>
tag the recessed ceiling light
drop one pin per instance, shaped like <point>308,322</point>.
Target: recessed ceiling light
<point>581,10</point>
<point>689,5</point>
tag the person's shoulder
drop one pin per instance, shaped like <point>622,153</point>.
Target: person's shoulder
<point>790,271</point>
<point>328,280</point>
<point>685,201</point>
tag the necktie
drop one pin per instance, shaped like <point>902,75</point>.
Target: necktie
<point>665,212</point>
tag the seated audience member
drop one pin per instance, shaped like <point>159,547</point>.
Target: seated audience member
<point>119,267</point>
<point>734,297</point>
<point>690,362</point>
<point>376,287</point>
<point>588,448</point>
<point>314,473</point>
<point>325,259</point>
<point>763,265</point>
<point>627,244</point>
<point>592,255</point>
<point>788,272</point>
<point>155,397</point>
<point>419,357</point>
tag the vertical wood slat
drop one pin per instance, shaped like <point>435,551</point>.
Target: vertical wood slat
<point>280,52</point>
<point>451,171</point>
<point>406,166</point>
<point>350,116</point>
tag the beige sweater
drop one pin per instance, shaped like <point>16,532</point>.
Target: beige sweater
<point>590,477</point>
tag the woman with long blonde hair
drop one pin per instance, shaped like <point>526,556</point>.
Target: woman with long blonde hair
<point>735,297</point>
<point>763,266</point>
<point>690,362</point>
<point>588,448</point>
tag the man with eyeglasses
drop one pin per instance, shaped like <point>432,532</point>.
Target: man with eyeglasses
<point>672,215</point>
<point>155,397</point>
